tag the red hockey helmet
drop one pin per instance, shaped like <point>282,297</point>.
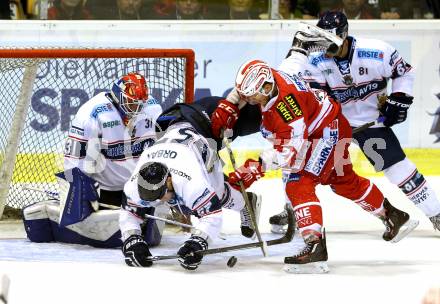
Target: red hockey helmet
<point>251,77</point>
<point>130,93</point>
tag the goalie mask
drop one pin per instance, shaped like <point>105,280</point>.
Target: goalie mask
<point>152,181</point>
<point>306,43</point>
<point>252,76</point>
<point>310,38</point>
<point>130,93</point>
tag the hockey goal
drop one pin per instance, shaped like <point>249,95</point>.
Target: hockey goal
<point>40,92</point>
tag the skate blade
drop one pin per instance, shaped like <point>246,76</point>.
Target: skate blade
<point>278,229</point>
<point>409,226</point>
<point>310,268</point>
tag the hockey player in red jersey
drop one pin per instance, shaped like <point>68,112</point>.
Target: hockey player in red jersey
<point>310,137</point>
<point>358,75</point>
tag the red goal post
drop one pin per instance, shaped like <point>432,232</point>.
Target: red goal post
<point>40,92</point>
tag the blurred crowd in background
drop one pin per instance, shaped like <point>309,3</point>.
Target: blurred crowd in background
<point>215,9</point>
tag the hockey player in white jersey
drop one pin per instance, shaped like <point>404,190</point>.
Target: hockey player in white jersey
<point>106,138</point>
<point>183,171</point>
<point>357,77</point>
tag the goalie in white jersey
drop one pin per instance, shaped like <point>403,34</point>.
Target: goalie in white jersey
<point>357,75</point>
<point>181,170</point>
<point>106,138</point>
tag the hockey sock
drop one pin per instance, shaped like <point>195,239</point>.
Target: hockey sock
<point>372,199</point>
<point>405,175</point>
<point>308,217</point>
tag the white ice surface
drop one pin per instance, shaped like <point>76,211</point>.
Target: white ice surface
<point>363,268</point>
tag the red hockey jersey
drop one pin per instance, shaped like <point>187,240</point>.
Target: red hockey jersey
<point>296,116</point>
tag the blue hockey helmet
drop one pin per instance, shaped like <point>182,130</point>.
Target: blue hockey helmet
<point>334,22</point>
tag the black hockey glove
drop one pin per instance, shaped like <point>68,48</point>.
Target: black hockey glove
<point>188,258</point>
<point>395,109</point>
<point>136,252</point>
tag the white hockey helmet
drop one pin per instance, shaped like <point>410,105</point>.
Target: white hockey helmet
<point>251,77</point>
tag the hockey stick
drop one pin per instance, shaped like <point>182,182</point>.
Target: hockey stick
<point>246,198</point>
<point>378,121</point>
<point>286,238</point>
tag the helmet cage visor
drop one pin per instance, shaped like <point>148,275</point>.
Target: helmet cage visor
<point>131,106</point>
<point>251,80</point>
<point>130,96</point>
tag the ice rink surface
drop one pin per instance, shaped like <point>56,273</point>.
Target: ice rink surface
<point>363,267</point>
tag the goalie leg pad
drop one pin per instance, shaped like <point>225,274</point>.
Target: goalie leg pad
<point>100,229</point>
<point>37,223</point>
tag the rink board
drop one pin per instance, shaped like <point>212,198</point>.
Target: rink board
<point>426,160</point>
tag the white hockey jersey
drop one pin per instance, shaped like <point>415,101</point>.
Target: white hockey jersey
<point>103,147</point>
<point>358,81</point>
<point>197,191</point>
<point>298,64</point>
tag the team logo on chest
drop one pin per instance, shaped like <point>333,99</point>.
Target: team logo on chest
<point>348,80</point>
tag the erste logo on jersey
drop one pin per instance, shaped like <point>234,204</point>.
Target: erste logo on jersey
<point>370,54</point>
<point>101,109</point>
<point>289,108</point>
<point>315,60</point>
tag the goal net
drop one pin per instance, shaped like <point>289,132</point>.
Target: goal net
<point>41,91</point>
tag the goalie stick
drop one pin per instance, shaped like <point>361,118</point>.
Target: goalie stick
<point>286,238</point>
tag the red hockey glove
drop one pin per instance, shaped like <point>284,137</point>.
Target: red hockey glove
<point>251,171</point>
<point>224,117</point>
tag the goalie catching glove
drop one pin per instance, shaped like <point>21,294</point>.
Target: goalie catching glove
<point>136,252</point>
<point>226,114</point>
<point>248,173</point>
<point>189,259</point>
<point>395,108</point>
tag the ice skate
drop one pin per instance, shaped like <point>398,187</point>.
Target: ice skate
<point>397,223</point>
<point>247,228</point>
<point>311,259</point>
<point>435,220</point>
<point>279,221</point>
